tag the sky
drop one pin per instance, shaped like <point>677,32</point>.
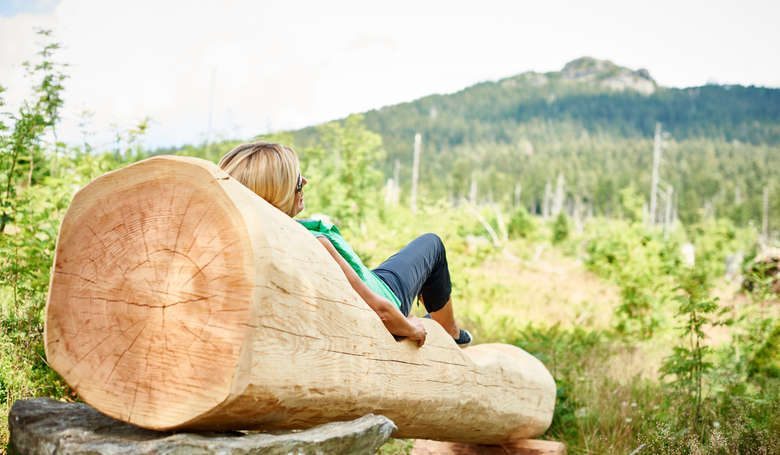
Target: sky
<point>233,69</point>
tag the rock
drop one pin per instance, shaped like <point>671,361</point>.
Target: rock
<point>46,426</point>
<point>609,75</point>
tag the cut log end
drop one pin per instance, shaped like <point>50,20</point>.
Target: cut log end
<point>152,285</point>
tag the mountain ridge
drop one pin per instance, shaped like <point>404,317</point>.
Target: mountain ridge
<point>592,123</point>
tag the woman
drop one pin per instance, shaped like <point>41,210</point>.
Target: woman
<point>272,171</point>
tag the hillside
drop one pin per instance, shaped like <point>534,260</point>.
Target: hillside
<point>594,95</point>
<point>593,123</point>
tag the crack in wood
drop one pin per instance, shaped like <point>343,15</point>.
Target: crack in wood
<point>201,268</point>
<point>143,237</point>
<point>376,359</point>
<point>197,226</point>
<point>176,241</point>
<point>96,236</point>
<point>77,275</point>
<point>449,363</point>
<point>288,332</point>
<point>145,305</point>
<point>125,352</point>
<point>200,337</point>
<point>98,344</point>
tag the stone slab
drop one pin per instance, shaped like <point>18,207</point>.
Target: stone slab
<point>46,426</point>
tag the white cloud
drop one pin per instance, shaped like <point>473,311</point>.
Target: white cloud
<point>290,64</point>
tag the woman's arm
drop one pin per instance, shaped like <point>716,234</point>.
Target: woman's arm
<point>394,320</point>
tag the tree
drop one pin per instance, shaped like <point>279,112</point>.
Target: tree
<point>20,150</point>
<point>346,184</point>
<point>560,228</point>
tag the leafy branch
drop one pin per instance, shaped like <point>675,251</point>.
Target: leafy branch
<point>689,362</point>
<point>32,121</point>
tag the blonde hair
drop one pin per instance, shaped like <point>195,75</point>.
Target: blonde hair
<point>270,170</point>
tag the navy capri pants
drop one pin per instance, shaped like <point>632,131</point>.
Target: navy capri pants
<point>420,268</point>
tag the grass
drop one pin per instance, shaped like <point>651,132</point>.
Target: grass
<point>544,299</point>
<point>23,369</point>
<point>610,397</point>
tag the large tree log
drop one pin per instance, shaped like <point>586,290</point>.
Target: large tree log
<point>180,299</point>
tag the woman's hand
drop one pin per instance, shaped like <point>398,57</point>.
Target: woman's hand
<point>419,333</point>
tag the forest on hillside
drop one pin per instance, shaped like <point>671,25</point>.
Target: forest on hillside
<point>655,344</point>
<point>720,144</point>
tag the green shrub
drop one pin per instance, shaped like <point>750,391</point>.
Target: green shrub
<point>766,360</point>
<point>521,224</point>
<point>689,364</point>
<point>560,228</point>
<point>641,262</point>
<point>715,240</point>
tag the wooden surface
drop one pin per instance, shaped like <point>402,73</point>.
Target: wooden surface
<point>521,447</point>
<point>180,299</point>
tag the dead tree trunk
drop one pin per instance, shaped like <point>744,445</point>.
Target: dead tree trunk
<point>559,197</point>
<point>655,175</point>
<point>473,189</point>
<point>416,170</point>
<point>180,299</point>
<point>765,215</point>
<point>546,202</point>
<point>668,210</point>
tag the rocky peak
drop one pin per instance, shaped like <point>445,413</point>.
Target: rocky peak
<point>609,75</point>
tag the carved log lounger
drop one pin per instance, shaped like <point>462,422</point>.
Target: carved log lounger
<point>181,300</point>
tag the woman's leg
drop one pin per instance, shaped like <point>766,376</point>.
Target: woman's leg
<point>446,318</point>
<point>420,269</point>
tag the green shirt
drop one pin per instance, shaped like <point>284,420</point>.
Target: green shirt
<point>328,230</point>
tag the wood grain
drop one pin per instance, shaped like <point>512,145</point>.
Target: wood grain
<point>180,299</point>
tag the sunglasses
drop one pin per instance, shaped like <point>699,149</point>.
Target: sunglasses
<point>299,186</point>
